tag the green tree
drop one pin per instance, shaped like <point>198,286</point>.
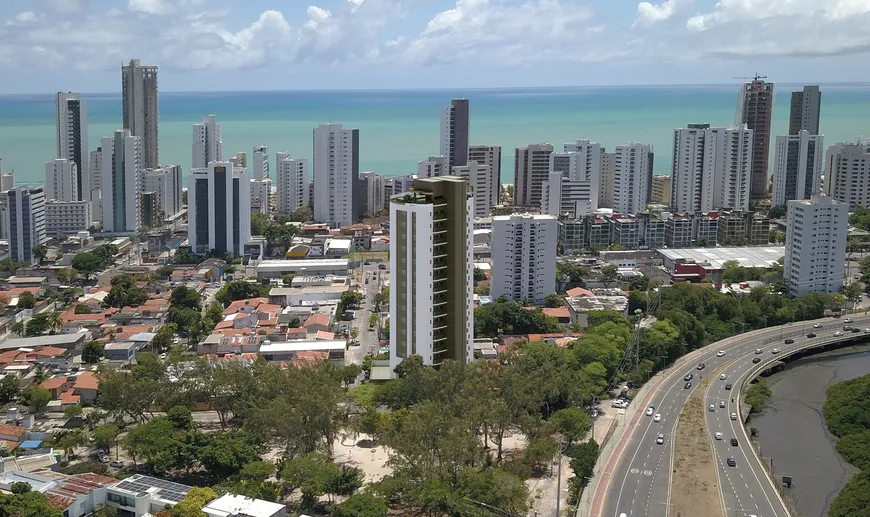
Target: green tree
<point>854,499</point>
<point>184,297</point>
<point>373,320</point>
<point>40,251</point>
<point>572,422</point>
<point>83,308</point>
<point>29,503</point>
<point>125,293</point>
<point>259,223</point>
<point>87,263</point>
<point>193,502</point>
<point>106,436</point>
<point>287,279</point>
<point>36,397</point>
<point>92,352</point>
<point>104,511</point>
<point>609,274</point>
<point>757,395</point>
<point>26,300</point>
<point>553,300</point>
<point>73,411</point>
<point>9,389</point>
<point>479,275</point>
<point>38,324</point>
<point>67,275</point>
<point>583,459</point>
<point>362,505</point>
<point>228,452</point>
<point>239,290</point>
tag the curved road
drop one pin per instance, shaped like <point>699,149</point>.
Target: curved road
<point>636,480</point>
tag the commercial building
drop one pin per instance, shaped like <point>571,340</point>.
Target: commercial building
<point>705,228</point>
<point>797,167</point>
<point>140,111</point>
<point>431,272</point>
<point>806,109</point>
<point>24,218</point>
<point>661,190</point>
<point>67,217</point>
<point>121,182</point>
<point>755,109</point>
<point>71,127</point>
<point>625,231</point>
<point>455,132</point>
<point>696,264</point>
<point>847,174</point>
<point>374,192</point>
<point>337,198</point>
<point>207,143</point>
<point>219,209</point>
<point>62,180</point>
<point>572,235</point>
<point>480,179</point>
<point>531,170</point>
<point>291,182</point>
<point>165,182</point>
<point>260,164</point>
<point>523,257</point>
<point>489,155</point>
<point>815,245</point>
<point>315,267</point>
<point>433,167</point>
<point>632,179</point>
<point>261,194</point>
<point>678,231</point>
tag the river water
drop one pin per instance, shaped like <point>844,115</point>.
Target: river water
<point>792,429</point>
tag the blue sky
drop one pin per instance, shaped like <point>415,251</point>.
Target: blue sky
<point>79,45</point>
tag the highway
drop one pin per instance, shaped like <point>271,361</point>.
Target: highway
<point>637,480</point>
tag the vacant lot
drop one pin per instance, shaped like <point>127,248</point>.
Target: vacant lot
<point>694,483</point>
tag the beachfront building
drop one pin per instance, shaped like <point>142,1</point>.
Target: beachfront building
<point>847,173</point>
<point>755,109</point>
<point>632,178</point>
<point>531,170</point>
<point>291,182</point>
<point>71,136</point>
<point>797,167</point>
<point>165,182</point>
<point>806,111</point>
<point>219,204</point>
<point>337,198</point>
<point>24,221</point>
<point>62,180</point>
<point>374,192</point>
<point>480,179</point>
<point>207,144</point>
<point>455,132</point>
<point>433,166</point>
<point>139,93</point>
<point>121,160</point>
<point>489,155</point>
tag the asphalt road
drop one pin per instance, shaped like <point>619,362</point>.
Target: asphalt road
<point>640,481</point>
<point>368,339</point>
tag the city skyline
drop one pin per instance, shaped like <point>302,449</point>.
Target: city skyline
<point>49,44</point>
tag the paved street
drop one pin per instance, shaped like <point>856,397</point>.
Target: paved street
<point>368,339</point>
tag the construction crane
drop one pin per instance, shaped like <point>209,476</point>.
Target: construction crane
<point>757,77</point>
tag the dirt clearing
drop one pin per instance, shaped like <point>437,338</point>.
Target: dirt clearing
<point>694,484</point>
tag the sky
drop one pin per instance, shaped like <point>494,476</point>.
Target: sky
<point>231,45</point>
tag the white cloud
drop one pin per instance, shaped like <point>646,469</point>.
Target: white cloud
<point>649,14</point>
<point>150,6</point>
<point>66,6</point>
<point>726,11</point>
<point>25,17</point>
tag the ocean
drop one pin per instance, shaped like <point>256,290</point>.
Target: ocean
<point>399,128</point>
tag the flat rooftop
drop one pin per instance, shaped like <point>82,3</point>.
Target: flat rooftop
<point>715,258</point>
<point>301,265</point>
<point>314,289</point>
<point>302,346</point>
<point>230,504</point>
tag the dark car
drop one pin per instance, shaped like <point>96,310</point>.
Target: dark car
<point>811,335</point>
<point>756,360</point>
<point>382,266</point>
<point>732,462</point>
<point>688,377</point>
<point>367,263</point>
<point>847,328</point>
<point>688,385</point>
<point>733,442</point>
<point>789,341</point>
<point>856,330</point>
<point>702,366</point>
<point>728,386</point>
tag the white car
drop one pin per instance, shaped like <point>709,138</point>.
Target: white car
<point>721,403</point>
<point>817,326</point>
<point>838,334</point>
<point>775,351</point>
<point>657,418</point>
<point>758,351</point>
<point>723,377</point>
<point>847,320</point>
<point>720,353</point>
<point>661,439</point>
<point>733,416</point>
<point>712,407</point>
<point>649,411</point>
<point>718,436</point>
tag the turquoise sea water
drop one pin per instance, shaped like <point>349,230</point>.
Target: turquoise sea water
<point>399,128</point>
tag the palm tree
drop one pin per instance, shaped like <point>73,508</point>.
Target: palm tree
<point>55,323</point>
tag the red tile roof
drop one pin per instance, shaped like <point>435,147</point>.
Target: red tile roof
<point>58,501</point>
<point>324,335</point>
<point>317,319</point>
<point>12,430</point>
<point>577,292</point>
<point>69,397</point>
<point>86,381</point>
<point>558,312</point>
<point>54,382</point>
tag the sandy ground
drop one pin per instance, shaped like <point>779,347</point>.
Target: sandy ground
<point>694,484</point>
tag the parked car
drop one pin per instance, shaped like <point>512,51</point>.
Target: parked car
<point>117,464</point>
<point>855,330</point>
<point>847,320</point>
<point>382,266</point>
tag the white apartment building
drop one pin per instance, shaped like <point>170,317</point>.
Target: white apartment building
<point>67,217</point>
<point>375,191</point>
<point>605,187</point>
<point>580,181</point>
<point>121,182</point>
<point>734,156</point>
<point>207,143</point>
<point>585,165</point>
<point>337,198</point>
<point>402,184</point>
<point>523,257</point>
<point>219,209</point>
<point>562,195</point>
<point>489,155</point>
<point>165,182</point>
<point>96,178</point>
<point>531,170</point>
<point>694,168</point>
<point>62,180</point>
<point>261,192</point>
<point>432,272</point>
<point>632,178</point>
<point>260,162</point>
<point>71,127</point>
<point>24,221</point>
<point>847,173</point>
<point>240,159</point>
<point>455,132</point>
<point>140,110</point>
<point>433,167</point>
<point>797,167</point>
<point>292,182</point>
<point>815,245</point>
<point>480,179</point>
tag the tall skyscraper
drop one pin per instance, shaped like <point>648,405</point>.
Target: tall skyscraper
<point>24,218</point>
<point>291,183</point>
<point>694,169</point>
<point>72,138</point>
<point>632,180</point>
<point>734,166</point>
<point>337,198</point>
<point>433,167</point>
<point>524,257</point>
<point>755,109</point>
<point>165,182</point>
<point>374,191</point>
<point>806,110</point>
<point>207,143</point>
<point>432,272</point>
<point>586,166</point>
<point>121,182</point>
<point>815,245</point>
<point>847,174</point>
<point>480,179</point>
<point>61,180</point>
<point>606,186</point>
<point>797,172</point>
<point>219,204</point>
<point>260,162</point>
<point>531,170</point>
<point>454,132</point>
<point>489,155</point>
<point>139,90</point>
